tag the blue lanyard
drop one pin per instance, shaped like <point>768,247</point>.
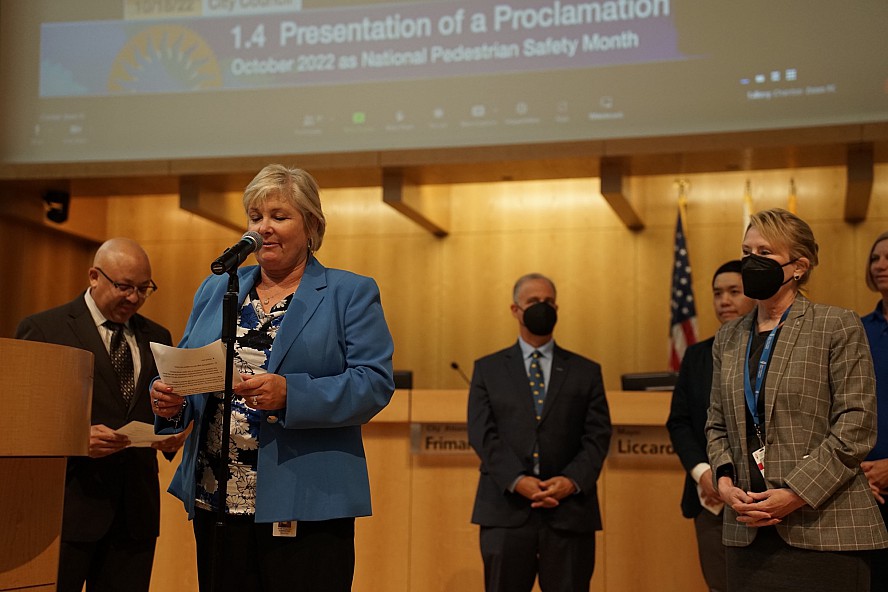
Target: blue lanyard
<point>752,397</point>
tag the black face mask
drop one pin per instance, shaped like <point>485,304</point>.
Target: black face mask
<point>762,276</point>
<point>540,318</point>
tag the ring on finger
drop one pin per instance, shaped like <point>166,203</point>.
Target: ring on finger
<point>255,401</point>
<point>156,403</point>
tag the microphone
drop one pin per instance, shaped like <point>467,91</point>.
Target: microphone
<point>233,256</point>
<point>456,367</point>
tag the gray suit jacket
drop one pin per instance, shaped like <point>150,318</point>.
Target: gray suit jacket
<point>820,422</point>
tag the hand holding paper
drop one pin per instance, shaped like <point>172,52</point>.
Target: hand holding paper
<point>140,434</point>
<point>193,371</point>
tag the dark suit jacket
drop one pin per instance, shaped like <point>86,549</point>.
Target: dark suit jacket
<point>687,418</point>
<point>96,490</point>
<point>573,435</point>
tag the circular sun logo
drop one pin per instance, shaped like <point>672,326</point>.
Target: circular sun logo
<point>164,58</point>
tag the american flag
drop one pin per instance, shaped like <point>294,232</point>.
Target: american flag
<point>683,324</point>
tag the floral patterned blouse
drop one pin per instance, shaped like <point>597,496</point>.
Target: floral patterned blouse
<point>255,337</point>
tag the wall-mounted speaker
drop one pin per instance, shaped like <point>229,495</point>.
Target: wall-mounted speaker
<point>57,204</point>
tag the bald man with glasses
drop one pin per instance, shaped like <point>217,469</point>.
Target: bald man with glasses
<point>111,515</point>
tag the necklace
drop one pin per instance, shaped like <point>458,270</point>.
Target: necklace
<point>284,290</point>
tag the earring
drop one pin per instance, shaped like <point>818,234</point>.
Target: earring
<point>310,246</point>
<point>796,277</point>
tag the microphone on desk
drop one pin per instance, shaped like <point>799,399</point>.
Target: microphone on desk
<point>456,367</point>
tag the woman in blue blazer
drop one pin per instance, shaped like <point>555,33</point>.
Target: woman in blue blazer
<point>315,353</point>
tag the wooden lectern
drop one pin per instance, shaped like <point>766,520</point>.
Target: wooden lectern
<point>45,404</point>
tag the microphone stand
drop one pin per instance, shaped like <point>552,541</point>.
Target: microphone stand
<point>456,367</point>
<point>229,334</point>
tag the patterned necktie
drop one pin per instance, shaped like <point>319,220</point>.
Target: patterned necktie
<point>122,360</point>
<point>537,386</point>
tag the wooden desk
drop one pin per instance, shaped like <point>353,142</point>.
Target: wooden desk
<point>421,539</point>
<point>46,417</point>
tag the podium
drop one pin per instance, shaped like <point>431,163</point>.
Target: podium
<point>45,405</point>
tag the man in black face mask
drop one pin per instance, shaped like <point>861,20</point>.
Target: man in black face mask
<point>539,421</point>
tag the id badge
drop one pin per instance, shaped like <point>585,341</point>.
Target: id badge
<point>284,529</point>
<point>759,457</point>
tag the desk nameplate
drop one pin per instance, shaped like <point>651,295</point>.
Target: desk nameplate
<point>439,438</point>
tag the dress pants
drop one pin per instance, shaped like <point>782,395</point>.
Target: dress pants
<point>320,558</point>
<point>513,557</point>
<point>768,564</point>
<point>879,566</point>
<point>115,563</point>
<point>711,550</point>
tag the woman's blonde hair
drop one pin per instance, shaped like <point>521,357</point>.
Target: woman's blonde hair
<point>296,187</point>
<point>870,282</point>
<point>785,229</point>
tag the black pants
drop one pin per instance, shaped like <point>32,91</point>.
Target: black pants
<point>320,558</point>
<point>711,550</point>
<point>116,563</point>
<point>879,580</point>
<point>768,564</point>
<point>514,556</point>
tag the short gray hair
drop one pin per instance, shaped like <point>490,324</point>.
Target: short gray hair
<point>529,277</point>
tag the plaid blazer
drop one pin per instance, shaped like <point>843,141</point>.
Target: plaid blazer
<point>820,422</point>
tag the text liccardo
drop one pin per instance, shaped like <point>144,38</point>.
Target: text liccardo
<point>643,448</point>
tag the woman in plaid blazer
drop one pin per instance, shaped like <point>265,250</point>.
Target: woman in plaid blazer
<point>792,414</point>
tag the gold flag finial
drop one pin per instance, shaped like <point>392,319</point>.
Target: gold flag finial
<point>747,205</point>
<point>682,185</point>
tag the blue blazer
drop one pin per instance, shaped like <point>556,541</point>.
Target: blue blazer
<point>335,351</point>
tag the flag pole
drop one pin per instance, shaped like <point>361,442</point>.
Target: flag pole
<point>683,185</point>
<point>683,318</point>
<point>792,202</point>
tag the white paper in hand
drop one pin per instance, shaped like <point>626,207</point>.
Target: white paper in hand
<point>141,434</point>
<point>193,371</point>
<point>715,508</point>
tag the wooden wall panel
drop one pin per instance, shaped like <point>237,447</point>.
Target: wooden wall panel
<point>647,540</point>
<point>175,566</point>
<point>447,299</point>
<point>31,495</point>
<point>180,245</point>
<point>42,268</point>
<point>382,544</point>
<point>359,232</point>
<point>444,543</point>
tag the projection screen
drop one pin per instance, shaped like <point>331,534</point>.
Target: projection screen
<point>108,80</point>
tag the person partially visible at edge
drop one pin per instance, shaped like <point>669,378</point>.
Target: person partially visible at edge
<point>793,412</point>
<point>315,355</point>
<point>875,467</point>
<point>687,421</point>
<point>111,516</point>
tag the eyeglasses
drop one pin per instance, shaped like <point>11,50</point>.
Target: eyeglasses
<point>128,289</point>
